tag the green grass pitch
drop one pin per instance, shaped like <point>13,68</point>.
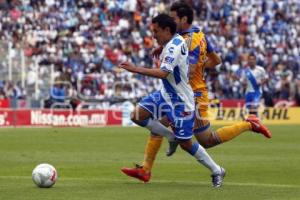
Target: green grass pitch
<point>88,161</point>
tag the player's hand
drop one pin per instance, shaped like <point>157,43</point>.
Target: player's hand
<point>156,52</point>
<point>128,66</point>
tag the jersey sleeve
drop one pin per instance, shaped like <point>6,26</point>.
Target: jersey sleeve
<point>170,57</point>
<point>209,47</point>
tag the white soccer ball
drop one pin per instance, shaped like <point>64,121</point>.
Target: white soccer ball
<point>44,175</point>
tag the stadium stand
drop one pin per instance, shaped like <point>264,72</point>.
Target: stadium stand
<point>78,44</point>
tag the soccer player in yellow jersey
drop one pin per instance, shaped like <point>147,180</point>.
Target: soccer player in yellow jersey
<point>201,56</point>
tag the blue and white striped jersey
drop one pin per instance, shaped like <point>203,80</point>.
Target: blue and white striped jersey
<point>254,78</point>
<point>176,88</point>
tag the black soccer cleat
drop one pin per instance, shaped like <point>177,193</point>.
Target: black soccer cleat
<point>217,179</point>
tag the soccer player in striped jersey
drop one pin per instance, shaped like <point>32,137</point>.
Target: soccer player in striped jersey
<point>254,77</point>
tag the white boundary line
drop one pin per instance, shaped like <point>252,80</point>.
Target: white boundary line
<point>126,180</point>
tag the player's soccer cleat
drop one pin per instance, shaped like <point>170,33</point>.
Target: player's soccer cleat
<point>172,147</point>
<point>258,127</point>
<point>217,179</point>
<point>137,172</point>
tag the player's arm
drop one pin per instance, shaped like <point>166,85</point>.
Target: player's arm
<point>265,77</point>
<point>213,59</point>
<point>261,82</point>
<point>157,73</point>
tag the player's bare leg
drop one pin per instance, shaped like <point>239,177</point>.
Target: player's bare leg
<point>142,117</point>
<point>139,115</point>
<point>209,138</point>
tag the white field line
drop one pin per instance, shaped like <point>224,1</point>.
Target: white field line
<point>125,180</point>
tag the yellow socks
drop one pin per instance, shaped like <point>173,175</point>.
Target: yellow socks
<point>152,147</point>
<point>227,133</point>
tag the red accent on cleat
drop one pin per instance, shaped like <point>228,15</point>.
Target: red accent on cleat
<point>258,127</point>
<point>138,173</point>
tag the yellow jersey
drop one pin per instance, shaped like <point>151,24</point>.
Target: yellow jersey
<point>199,47</point>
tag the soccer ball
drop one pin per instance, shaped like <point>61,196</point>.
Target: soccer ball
<point>44,175</point>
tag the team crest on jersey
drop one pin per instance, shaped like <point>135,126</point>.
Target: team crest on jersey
<point>168,60</point>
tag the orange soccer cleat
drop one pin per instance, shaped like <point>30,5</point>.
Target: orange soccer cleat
<point>137,172</point>
<point>258,127</point>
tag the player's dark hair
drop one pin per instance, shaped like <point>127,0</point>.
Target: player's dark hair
<point>183,10</point>
<point>164,21</point>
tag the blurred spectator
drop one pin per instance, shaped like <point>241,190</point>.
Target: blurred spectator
<point>58,95</point>
<point>283,87</point>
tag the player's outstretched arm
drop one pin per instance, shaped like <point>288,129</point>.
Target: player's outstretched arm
<point>157,73</point>
<point>213,60</point>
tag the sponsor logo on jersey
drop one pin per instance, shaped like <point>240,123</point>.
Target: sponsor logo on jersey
<point>169,60</point>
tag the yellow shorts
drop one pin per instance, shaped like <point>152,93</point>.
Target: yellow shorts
<point>202,102</point>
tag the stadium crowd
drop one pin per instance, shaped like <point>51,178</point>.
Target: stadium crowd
<point>84,37</point>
